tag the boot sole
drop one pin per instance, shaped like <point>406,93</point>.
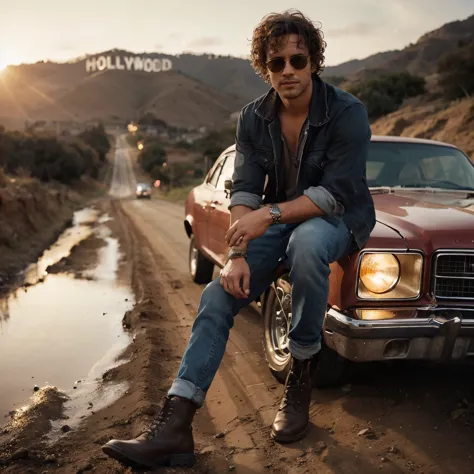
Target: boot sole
<point>289,438</point>
<point>185,460</point>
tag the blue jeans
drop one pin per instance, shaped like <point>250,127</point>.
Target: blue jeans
<point>310,247</point>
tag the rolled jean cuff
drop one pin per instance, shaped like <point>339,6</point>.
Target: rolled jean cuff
<point>185,389</point>
<point>303,352</point>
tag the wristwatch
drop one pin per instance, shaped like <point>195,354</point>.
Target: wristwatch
<point>275,213</point>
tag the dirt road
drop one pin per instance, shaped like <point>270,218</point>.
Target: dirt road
<point>415,422</point>
<point>394,419</point>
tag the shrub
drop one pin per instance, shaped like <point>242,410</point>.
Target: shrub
<point>385,94</point>
<point>151,156</point>
<point>456,71</point>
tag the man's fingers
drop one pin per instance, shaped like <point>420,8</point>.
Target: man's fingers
<point>234,287</point>
<point>246,284</point>
<point>236,237</point>
<point>238,286</point>
<point>224,283</point>
<point>230,233</point>
<point>231,284</point>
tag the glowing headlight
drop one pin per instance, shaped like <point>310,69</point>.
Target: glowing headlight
<point>379,272</point>
<point>390,275</point>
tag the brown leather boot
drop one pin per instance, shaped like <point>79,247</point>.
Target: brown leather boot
<point>168,442</point>
<point>291,421</point>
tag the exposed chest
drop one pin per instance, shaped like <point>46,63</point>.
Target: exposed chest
<point>291,131</point>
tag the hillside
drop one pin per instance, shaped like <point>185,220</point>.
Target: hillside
<point>418,58</point>
<point>170,96</point>
<point>111,95</point>
<point>199,90</point>
<point>452,123</point>
<point>353,66</point>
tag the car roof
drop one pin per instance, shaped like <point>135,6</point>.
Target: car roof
<point>397,139</point>
<point>389,139</point>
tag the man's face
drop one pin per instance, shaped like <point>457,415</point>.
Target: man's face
<point>289,82</point>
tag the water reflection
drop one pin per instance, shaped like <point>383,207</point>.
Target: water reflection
<point>81,229</point>
<point>66,328</point>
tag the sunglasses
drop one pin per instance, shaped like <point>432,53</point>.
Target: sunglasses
<point>297,61</point>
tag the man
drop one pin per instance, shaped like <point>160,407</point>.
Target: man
<point>310,141</point>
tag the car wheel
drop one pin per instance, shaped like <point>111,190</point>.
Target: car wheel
<point>276,322</point>
<point>200,267</point>
<point>327,367</point>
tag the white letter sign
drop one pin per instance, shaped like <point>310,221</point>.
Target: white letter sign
<point>129,63</point>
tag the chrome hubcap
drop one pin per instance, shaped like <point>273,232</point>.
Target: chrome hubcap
<point>280,325</point>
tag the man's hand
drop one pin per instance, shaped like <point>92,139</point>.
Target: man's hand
<point>249,227</point>
<point>235,278</point>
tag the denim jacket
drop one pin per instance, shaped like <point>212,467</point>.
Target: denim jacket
<point>332,157</point>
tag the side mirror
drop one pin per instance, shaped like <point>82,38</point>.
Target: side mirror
<point>227,187</point>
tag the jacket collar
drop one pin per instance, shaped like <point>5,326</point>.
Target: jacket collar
<point>318,111</point>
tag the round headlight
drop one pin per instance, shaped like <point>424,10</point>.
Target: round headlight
<point>379,272</point>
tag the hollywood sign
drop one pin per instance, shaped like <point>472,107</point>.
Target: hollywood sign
<point>127,63</point>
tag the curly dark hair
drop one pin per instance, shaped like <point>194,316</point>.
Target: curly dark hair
<point>272,27</point>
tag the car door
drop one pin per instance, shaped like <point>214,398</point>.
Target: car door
<point>219,214</point>
<point>202,206</point>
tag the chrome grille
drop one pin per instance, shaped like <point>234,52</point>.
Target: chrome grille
<point>454,276</point>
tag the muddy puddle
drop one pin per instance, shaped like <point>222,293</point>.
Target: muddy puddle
<point>65,331</point>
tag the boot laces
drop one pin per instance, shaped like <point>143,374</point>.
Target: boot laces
<point>292,394</point>
<point>160,420</point>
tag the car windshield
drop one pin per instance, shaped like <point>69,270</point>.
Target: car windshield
<point>418,165</point>
<point>142,186</point>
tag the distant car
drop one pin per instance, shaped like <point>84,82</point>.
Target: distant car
<point>143,191</point>
<point>409,294</point>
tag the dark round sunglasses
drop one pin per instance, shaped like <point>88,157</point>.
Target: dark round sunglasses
<point>297,61</point>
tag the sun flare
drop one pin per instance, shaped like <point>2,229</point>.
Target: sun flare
<point>7,60</point>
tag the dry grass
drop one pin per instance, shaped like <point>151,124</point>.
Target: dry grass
<point>446,122</point>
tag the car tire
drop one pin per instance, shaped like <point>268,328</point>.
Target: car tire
<point>200,267</point>
<point>327,367</point>
<point>275,327</point>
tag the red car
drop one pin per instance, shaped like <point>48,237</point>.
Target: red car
<point>408,294</point>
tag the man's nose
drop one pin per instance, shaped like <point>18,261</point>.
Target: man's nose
<point>288,70</point>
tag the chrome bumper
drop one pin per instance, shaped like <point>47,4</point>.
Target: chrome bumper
<point>440,338</point>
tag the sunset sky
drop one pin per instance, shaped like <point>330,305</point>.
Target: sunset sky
<point>62,30</point>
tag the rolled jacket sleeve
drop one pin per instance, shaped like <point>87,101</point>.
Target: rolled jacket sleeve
<point>242,198</point>
<point>344,173</point>
<point>324,200</point>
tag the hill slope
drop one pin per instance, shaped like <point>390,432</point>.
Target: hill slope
<point>419,58</point>
<point>452,123</point>
<point>199,90</point>
<point>175,98</point>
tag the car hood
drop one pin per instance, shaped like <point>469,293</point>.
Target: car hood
<point>429,220</point>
